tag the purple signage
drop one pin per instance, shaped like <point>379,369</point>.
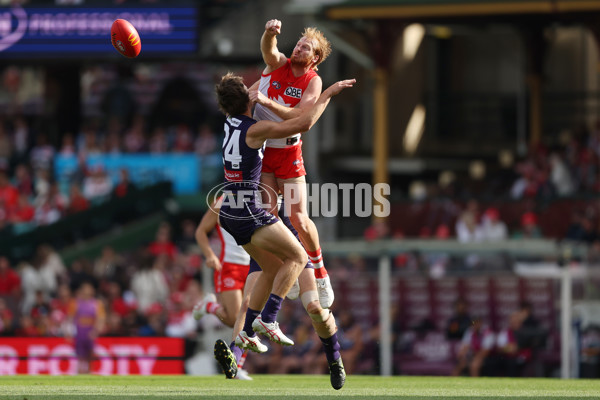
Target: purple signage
<point>83,31</point>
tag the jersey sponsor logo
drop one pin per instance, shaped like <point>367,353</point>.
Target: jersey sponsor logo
<point>234,121</point>
<point>276,85</point>
<point>233,176</point>
<point>257,223</point>
<point>293,92</point>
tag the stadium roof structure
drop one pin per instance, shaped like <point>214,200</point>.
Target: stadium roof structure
<point>390,17</point>
<point>419,9</point>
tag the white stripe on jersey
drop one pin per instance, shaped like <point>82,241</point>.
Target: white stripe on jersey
<point>263,113</point>
<point>231,251</point>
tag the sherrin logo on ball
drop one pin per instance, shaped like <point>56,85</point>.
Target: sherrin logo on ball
<point>125,38</point>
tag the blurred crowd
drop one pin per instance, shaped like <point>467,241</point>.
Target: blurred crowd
<point>474,222</point>
<point>152,290</point>
<point>149,292</point>
<point>550,192</point>
<point>31,196</point>
<point>138,138</point>
<point>558,167</point>
<point>466,345</point>
<point>508,352</point>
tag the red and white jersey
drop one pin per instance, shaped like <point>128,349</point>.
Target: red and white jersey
<point>284,88</point>
<point>231,252</point>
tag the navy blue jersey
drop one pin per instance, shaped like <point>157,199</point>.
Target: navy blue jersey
<point>241,163</point>
<point>242,212</point>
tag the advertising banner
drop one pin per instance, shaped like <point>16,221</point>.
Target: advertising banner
<point>183,170</point>
<point>85,31</point>
<point>113,356</point>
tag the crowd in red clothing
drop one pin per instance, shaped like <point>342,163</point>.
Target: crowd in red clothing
<point>148,292</point>
<point>29,194</point>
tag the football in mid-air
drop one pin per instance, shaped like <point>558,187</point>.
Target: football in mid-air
<point>125,38</point>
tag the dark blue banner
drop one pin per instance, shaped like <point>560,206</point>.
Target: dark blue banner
<point>82,31</point>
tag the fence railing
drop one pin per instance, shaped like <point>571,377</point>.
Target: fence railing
<point>538,281</point>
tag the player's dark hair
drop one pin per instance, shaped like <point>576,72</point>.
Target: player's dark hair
<point>232,95</point>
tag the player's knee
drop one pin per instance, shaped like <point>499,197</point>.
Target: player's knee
<point>322,319</point>
<point>310,301</point>
<point>314,307</point>
<point>302,259</point>
<point>229,319</point>
<point>315,311</point>
<point>298,256</point>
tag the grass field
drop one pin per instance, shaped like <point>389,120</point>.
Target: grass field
<point>290,387</point>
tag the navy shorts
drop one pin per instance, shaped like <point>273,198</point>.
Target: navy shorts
<point>242,222</point>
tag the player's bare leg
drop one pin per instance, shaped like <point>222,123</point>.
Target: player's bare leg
<point>241,315</point>
<point>224,306</point>
<point>239,353</point>
<point>230,301</point>
<point>271,201</point>
<point>227,356</point>
<point>254,301</point>
<point>268,244</point>
<point>295,199</point>
<point>279,241</point>
<point>295,196</point>
<point>324,324</point>
<point>268,196</point>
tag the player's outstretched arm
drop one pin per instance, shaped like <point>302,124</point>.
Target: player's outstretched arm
<point>268,46</point>
<point>309,98</point>
<point>254,86</point>
<point>264,130</point>
<point>207,224</point>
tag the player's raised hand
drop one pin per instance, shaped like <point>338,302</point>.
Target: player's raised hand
<point>340,85</point>
<point>273,27</point>
<point>257,97</point>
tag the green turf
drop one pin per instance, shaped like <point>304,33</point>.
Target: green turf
<point>290,387</point>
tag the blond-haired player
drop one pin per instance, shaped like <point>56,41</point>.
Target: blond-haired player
<point>287,87</point>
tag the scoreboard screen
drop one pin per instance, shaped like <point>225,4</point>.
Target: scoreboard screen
<point>85,31</point>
